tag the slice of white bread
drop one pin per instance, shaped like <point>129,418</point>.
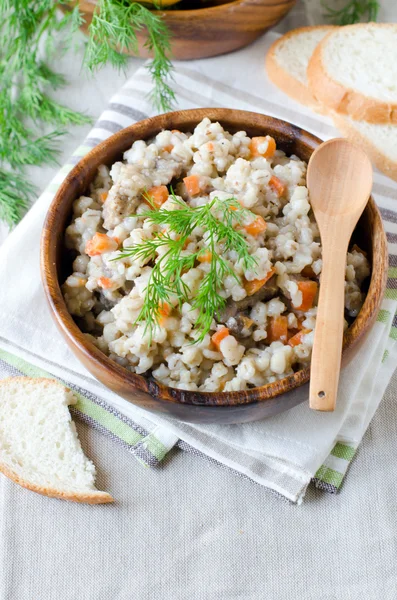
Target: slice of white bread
<point>378,141</point>
<point>39,446</point>
<point>287,60</point>
<point>353,71</point>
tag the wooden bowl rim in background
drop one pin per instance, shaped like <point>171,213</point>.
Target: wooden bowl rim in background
<point>77,181</point>
<point>210,10</point>
<point>208,31</point>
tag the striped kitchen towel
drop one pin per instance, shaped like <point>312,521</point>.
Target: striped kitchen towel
<point>283,453</point>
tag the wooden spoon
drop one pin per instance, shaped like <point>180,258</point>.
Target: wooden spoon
<point>339,178</point>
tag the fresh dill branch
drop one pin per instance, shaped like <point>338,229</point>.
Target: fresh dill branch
<point>353,12</point>
<point>27,29</point>
<point>33,32</point>
<point>160,69</point>
<point>14,196</point>
<point>219,220</point>
<point>114,29</point>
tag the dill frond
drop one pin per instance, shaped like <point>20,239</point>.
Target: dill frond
<point>27,30</point>
<point>219,219</point>
<point>114,29</point>
<point>353,12</point>
<point>14,196</point>
<point>33,33</point>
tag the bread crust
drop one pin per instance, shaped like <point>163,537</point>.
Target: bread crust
<point>94,497</point>
<point>345,100</point>
<point>282,79</point>
<point>89,498</point>
<point>380,160</point>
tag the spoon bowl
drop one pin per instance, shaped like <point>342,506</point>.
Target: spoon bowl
<point>339,178</point>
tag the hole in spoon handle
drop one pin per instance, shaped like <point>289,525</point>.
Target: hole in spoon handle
<point>323,399</point>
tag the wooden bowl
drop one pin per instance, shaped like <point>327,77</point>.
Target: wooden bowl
<point>212,30</point>
<point>204,407</point>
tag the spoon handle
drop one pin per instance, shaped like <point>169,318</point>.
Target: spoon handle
<point>328,335</point>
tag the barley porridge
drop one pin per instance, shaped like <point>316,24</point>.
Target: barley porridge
<point>198,261</point>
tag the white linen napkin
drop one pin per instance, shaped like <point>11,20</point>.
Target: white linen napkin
<point>284,452</point>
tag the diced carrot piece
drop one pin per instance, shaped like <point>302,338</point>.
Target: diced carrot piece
<point>277,186</point>
<point>175,131</point>
<point>164,311</point>
<point>296,339</point>
<point>309,291</point>
<point>210,146</point>
<point>192,184</point>
<point>168,148</point>
<point>268,144</point>
<point>236,207</point>
<point>100,244</point>
<point>277,330</point>
<point>185,245</point>
<point>205,256</point>
<point>105,283</point>
<point>308,272</point>
<point>156,195</point>
<point>103,196</point>
<point>219,336</point>
<point>257,226</point>
<point>255,285</point>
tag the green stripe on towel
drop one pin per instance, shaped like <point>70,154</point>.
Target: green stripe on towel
<point>155,447</point>
<point>329,476</point>
<point>383,316</point>
<point>391,294</point>
<point>343,451</point>
<point>106,419</point>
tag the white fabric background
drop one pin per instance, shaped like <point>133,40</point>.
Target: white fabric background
<point>191,530</point>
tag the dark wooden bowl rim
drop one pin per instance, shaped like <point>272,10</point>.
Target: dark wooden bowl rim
<point>118,374</point>
<point>205,9</point>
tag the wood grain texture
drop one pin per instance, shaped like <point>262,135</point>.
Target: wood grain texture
<point>230,407</point>
<point>212,30</point>
<point>339,178</point>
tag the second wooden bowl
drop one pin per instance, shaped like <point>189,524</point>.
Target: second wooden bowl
<point>211,30</point>
<point>199,407</point>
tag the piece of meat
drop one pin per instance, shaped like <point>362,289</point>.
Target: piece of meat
<point>125,193</point>
<point>268,291</point>
<point>240,325</point>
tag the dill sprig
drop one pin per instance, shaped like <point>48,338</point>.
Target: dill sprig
<point>219,219</point>
<point>14,196</point>
<point>27,29</point>
<point>353,12</point>
<point>32,33</point>
<point>114,29</point>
